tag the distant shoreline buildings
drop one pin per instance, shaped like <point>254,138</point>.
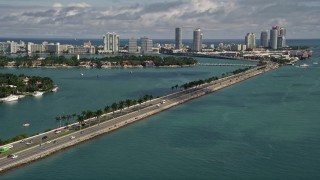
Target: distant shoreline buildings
<point>145,45</point>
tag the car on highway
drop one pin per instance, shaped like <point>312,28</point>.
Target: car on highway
<point>72,137</point>
<point>57,131</point>
<point>12,156</point>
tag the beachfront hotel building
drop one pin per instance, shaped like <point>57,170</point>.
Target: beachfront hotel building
<point>250,40</point>
<point>178,40</point>
<point>133,47</point>
<point>264,39</point>
<point>111,43</point>
<point>197,40</point>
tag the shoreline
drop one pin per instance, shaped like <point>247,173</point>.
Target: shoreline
<point>173,99</point>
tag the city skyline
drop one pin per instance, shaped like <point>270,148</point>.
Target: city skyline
<point>227,19</point>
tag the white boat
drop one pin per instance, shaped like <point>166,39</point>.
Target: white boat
<point>26,124</point>
<point>81,74</point>
<point>315,62</point>
<point>10,98</point>
<point>37,93</point>
<point>304,65</point>
<point>55,89</point>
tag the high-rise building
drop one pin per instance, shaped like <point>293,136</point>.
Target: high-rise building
<point>264,39</point>
<point>178,36</point>
<point>282,37</point>
<point>111,43</point>
<point>132,45</point>
<point>278,38</point>
<point>146,45</point>
<point>274,38</point>
<point>197,40</point>
<point>250,40</point>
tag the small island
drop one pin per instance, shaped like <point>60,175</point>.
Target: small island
<point>13,87</point>
<point>105,62</point>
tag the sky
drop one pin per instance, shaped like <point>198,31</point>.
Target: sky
<point>218,19</point>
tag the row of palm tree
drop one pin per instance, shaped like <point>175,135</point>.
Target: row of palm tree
<point>98,113</point>
<point>194,83</point>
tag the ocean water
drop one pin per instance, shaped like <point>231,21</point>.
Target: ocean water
<point>264,128</point>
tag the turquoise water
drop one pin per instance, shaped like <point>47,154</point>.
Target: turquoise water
<point>96,89</point>
<point>264,128</point>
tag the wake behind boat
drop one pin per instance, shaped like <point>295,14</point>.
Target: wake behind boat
<point>304,65</point>
<point>55,89</point>
<point>10,98</point>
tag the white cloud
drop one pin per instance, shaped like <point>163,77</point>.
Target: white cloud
<point>157,20</point>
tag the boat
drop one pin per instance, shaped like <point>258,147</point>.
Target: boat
<point>81,74</point>
<point>37,93</point>
<point>315,62</point>
<point>26,124</point>
<point>55,89</point>
<point>10,98</point>
<point>304,65</point>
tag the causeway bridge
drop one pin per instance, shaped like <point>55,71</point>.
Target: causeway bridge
<point>226,64</point>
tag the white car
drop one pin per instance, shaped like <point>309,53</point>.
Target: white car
<point>12,156</point>
<point>72,137</point>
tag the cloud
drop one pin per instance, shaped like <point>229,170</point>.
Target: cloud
<point>217,18</point>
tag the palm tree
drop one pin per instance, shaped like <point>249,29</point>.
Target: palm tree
<point>89,115</point>
<point>80,119</point>
<point>176,86</point>
<point>172,88</point>
<point>98,113</point>
<point>63,118</point>
<point>58,118</point>
<point>107,109</point>
<point>140,101</point>
<point>68,117</point>
<point>134,102</point>
<point>150,97</point>
<point>121,105</point>
<point>128,102</point>
<point>74,115</point>
<point>114,107</point>
<point>145,98</point>
<point>83,113</point>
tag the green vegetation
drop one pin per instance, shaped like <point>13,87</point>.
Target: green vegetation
<point>87,114</point>
<point>145,61</point>
<point>16,138</point>
<point>200,82</point>
<point>13,84</point>
<point>281,61</point>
